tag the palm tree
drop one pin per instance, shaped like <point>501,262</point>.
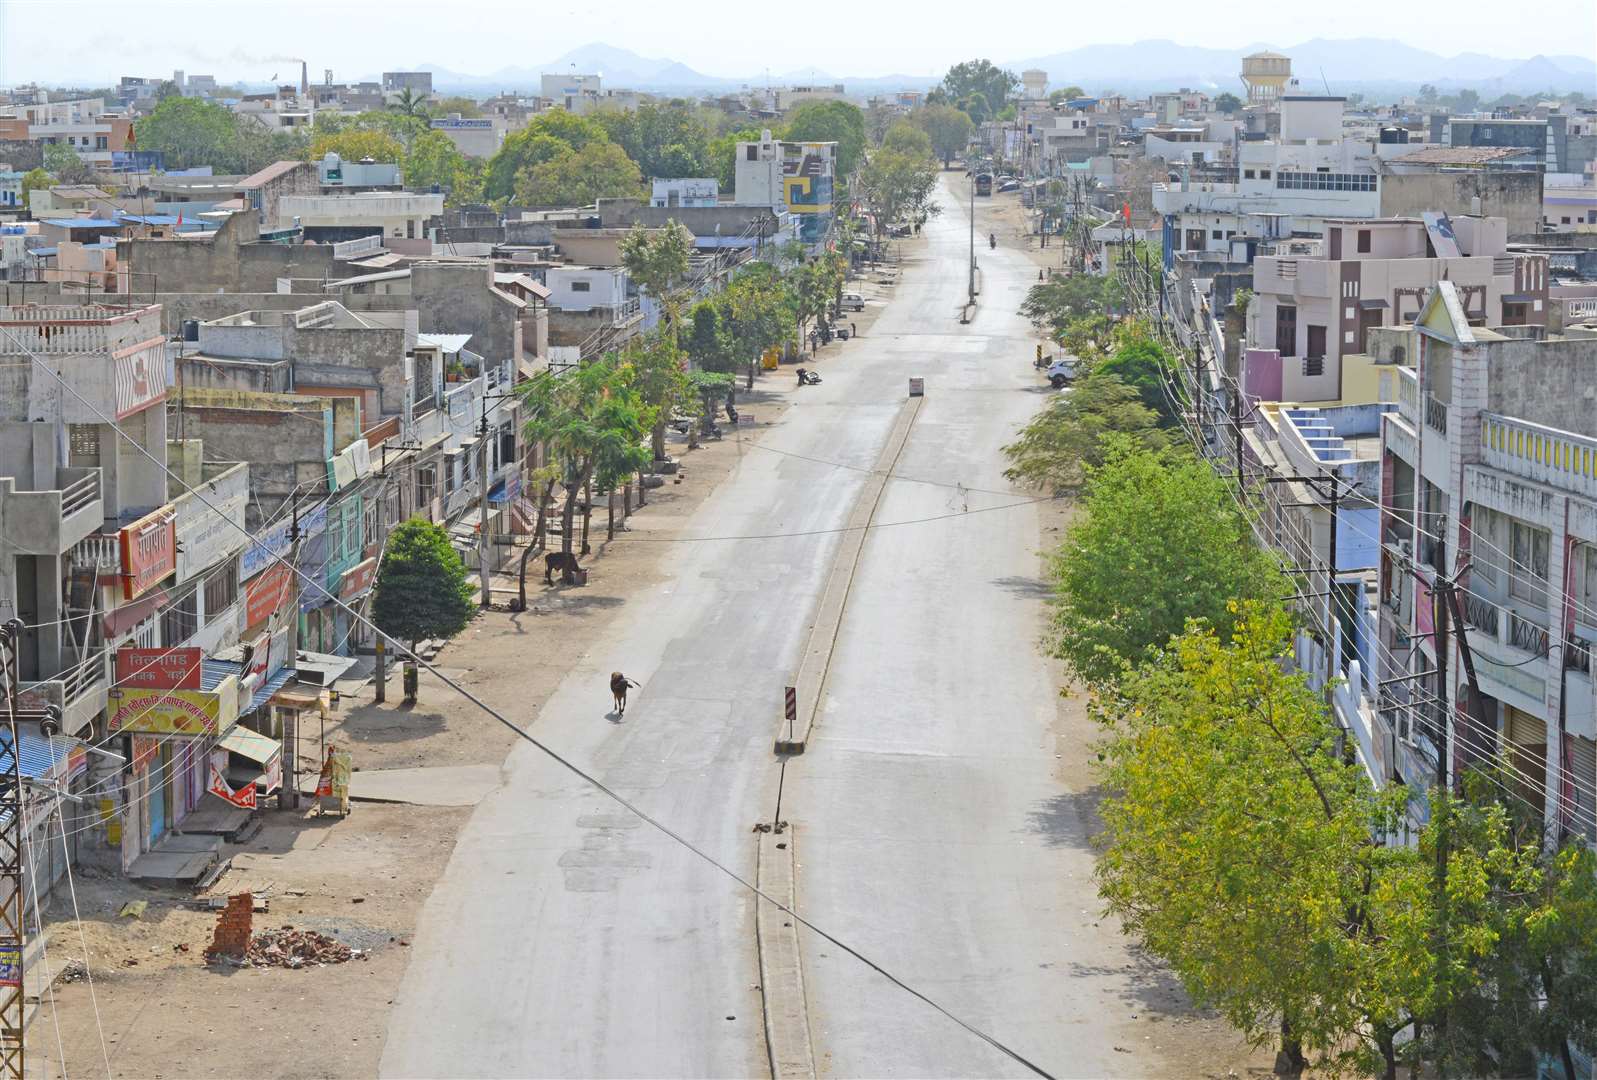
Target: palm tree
<point>410,103</point>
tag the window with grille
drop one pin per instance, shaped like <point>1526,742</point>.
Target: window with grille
<point>83,443</point>
<point>1529,572</point>
<point>221,588</point>
<point>180,619</point>
<point>426,486</point>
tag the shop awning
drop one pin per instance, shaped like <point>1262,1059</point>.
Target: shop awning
<point>119,621</point>
<point>271,686</point>
<point>251,744</point>
<point>41,758</point>
<point>1372,304</point>
<point>300,696</point>
<point>499,493</point>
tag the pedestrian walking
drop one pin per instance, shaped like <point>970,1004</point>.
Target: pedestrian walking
<point>853,331</point>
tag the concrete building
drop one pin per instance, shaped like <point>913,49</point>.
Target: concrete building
<point>570,91</point>
<point>329,218</point>
<point>419,83</point>
<point>698,191</point>
<point>479,136</point>
<point>1569,201</point>
<point>796,176</point>
<point>86,126</point>
<point>1316,301</point>
<point>263,191</point>
<point>1489,469</point>
<point>1267,76</point>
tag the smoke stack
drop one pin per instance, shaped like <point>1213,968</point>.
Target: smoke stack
<point>304,78</point>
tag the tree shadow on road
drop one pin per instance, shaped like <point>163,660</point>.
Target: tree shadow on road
<point>1068,820</point>
<point>1029,587</point>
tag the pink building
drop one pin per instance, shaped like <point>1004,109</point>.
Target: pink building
<point>1316,300</point>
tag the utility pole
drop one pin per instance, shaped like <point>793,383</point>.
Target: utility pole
<point>13,909</point>
<point>971,301</point>
<point>290,799</point>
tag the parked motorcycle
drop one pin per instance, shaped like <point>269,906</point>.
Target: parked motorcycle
<point>808,378</point>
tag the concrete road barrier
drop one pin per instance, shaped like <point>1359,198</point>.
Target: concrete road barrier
<point>816,659</point>
<point>787,1020</point>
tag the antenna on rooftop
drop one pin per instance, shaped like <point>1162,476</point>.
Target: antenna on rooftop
<point>1323,81</point>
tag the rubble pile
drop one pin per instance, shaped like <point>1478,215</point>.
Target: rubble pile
<point>290,948</point>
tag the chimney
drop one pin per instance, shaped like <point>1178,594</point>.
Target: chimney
<point>304,79</point>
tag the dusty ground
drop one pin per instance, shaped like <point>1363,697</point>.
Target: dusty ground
<point>162,1012</point>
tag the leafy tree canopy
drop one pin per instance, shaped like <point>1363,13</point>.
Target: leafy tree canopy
<point>948,128</point>
<point>905,137</point>
<point>1061,444</point>
<point>665,140</point>
<point>831,121</point>
<point>600,170</point>
<point>980,84</point>
<point>536,144</point>
<point>1125,585</point>
<point>421,591</point>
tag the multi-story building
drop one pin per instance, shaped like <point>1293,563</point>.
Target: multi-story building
<point>1284,187</point>
<point>796,176</point>
<point>419,83</point>
<point>570,91</point>
<point>1489,477</point>
<point>92,132</point>
<point>330,218</point>
<point>474,136</point>
<point>1315,301</point>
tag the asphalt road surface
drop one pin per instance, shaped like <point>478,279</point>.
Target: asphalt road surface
<point>935,832</point>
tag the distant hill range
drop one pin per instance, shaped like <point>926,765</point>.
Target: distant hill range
<point>1373,66</point>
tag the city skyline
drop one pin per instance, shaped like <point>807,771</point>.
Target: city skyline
<point>878,42</point>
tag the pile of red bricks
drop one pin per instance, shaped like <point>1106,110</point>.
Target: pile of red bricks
<point>292,948</point>
<point>232,937</point>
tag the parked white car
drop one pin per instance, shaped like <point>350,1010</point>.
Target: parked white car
<point>852,302</point>
<point>1061,372</point>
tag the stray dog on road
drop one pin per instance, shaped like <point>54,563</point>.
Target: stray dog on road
<point>618,689</point>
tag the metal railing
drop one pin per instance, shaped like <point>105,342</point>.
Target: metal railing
<point>1482,614</point>
<point>1526,635</point>
<point>1408,391</point>
<point>1435,414</point>
<point>81,493</point>
<point>1577,656</point>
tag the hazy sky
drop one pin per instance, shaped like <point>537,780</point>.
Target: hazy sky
<point>96,40</point>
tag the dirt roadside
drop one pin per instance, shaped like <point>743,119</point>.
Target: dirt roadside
<point>156,1006</point>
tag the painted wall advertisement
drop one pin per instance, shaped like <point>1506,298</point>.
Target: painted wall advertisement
<point>158,669</point>
<point>276,539</point>
<point>149,552</point>
<point>206,536</point>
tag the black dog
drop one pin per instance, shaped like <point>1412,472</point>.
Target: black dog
<point>561,561</point>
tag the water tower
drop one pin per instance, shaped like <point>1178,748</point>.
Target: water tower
<point>1266,75</point>
<point>1034,84</point>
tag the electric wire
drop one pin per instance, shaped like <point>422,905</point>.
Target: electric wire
<point>571,766</point>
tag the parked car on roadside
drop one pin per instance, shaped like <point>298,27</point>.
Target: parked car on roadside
<point>852,302</point>
<point>1061,372</point>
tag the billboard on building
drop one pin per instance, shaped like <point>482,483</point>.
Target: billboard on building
<point>149,552</point>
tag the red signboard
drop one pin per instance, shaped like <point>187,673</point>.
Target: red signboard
<point>266,594</point>
<point>158,669</point>
<point>357,579</point>
<point>244,797</point>
<point>149,552</point>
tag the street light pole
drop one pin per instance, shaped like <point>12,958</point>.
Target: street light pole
<point>971,286</point>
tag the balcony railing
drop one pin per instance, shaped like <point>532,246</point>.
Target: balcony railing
<point>1408,393</point>
<point>81,493</point>
<point>1526,635</point>
<point>1482,614</point>
<point>1577,656</point>
<point>1435,414</point>
<point>1560,459</point>
<point>99,551</point>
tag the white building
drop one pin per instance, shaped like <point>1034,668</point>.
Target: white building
<point>686,191</point>
<point>570,91</point>
<point>348,217</point>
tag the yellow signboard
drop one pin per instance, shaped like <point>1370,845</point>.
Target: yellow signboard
<point>166,712</point>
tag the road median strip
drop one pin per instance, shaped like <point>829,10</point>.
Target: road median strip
<point>816,661</point>
<point>787,1021</point>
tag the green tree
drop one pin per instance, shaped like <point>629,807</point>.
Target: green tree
<point>538,143</point>
<point>1141,363</point>
<point>65,163</point>
<point>1237,839</point>
<point>410,103</point>
<point>831,121</point>
<point>949,129</point>
<point>657,261</point>
<point>1227,103</point>
<point>422,591</point>
<point>757,313</point>
<point>1067,93</point>
<point>666,140</point>
<point>353,144</point>
<point>654,368</point>
<point>711,388</point>
<point>433,159</point>
<point>35,180</point>
<point>897,186</point>
<point>1466,101</point>
<point>600,170</point>
<point>905,137</point>
<point>591,420</point>
<point>1123,589</point>
<point>467,108</point>
<point>188,132</point>
<point>1063,443</point>
<point>1059,300</point>
<point>706,340</point>
<point>980,84</point>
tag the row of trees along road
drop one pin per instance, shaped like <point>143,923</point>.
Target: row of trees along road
<point>1243,843</point>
